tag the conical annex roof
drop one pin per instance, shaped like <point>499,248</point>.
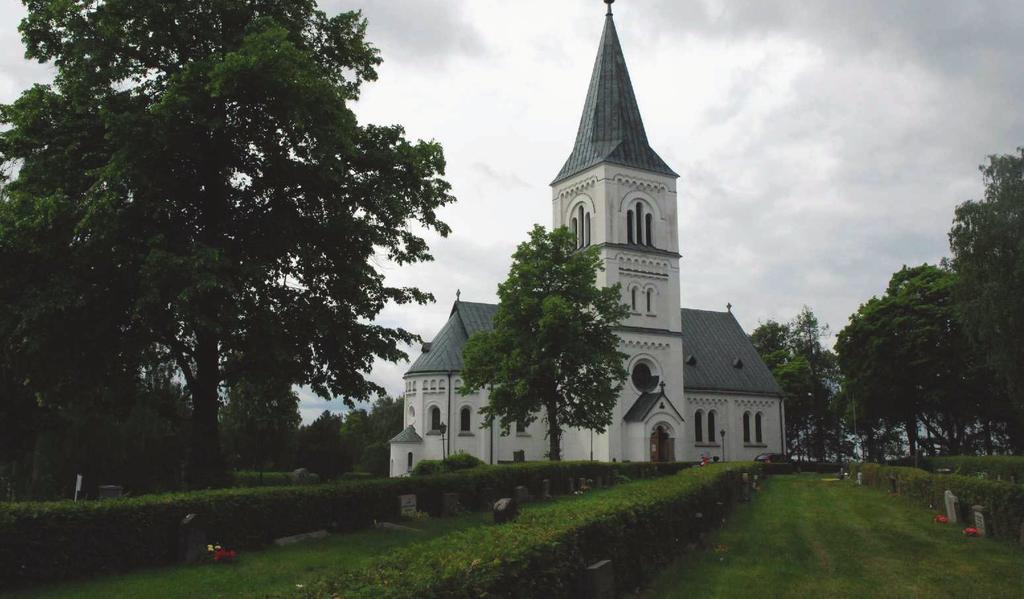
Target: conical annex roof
<point>611,129</point>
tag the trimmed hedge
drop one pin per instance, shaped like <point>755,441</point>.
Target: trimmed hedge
<point>1004,467</point>
<point>46,541</point>
<point>250,478</point>
<point>639,526</point>
<point>1004,500</point>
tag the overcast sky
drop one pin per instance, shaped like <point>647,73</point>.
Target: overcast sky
<point>820,145</point>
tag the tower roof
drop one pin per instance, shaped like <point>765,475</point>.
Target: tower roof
<point>611,129</point>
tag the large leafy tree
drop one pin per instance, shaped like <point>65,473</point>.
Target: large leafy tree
<point>553,347</point>
<point>194,183</point>
<point>906,360</point>
<point>987,242</point>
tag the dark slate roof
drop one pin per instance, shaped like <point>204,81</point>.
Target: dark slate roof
<point>611,129</point>
<point>645,403</point>
<point>408,435</point>
<point>445,351</point>
<point>716,340</point>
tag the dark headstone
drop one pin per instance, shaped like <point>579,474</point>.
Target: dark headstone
<point>450,504</point>
<point>892,484</point>
<point>191,540</point>
<point>599,580</point>
<point>521,494</point>
<point>545,489</point>
<point>505,510</point>
<point>110,491</point>
<point>570,487</point>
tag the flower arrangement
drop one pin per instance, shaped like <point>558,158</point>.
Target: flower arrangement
<point>940,519</point>
<point>220,554</point>
<point>970,531</point>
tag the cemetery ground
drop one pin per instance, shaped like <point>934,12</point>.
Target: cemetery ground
<point>813,536</point>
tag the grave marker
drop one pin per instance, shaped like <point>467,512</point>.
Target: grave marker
<point>505,510</point>
<point>191,540</point>
<point>450,504</point>
<point>599,580</point>
<point>980,520</point>
<point>545,489</point>
<point>407,505</point>
<point>521,494</point>
<point>952,506</point>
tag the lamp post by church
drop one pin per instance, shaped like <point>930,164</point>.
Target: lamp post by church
<point>444,449</point>
<point>722,433</point>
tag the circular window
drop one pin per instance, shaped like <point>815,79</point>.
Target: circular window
<point>642,377</point>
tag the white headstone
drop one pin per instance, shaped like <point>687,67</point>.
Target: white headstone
<point>979,520</point>
<point>408,504</point>
<point>952,506</point>
<point>78,486</point>
<point>860,479</point>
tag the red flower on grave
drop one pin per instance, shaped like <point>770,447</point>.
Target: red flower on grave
<point>939,518</point>
<point>970,531</point>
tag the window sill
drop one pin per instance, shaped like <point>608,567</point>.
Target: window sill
<point>707,444</point>
<point>523,434</point>
<point>433,433</point>
<point>755,445</point>
<point>466,434</point>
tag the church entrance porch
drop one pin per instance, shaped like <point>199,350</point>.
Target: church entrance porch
<point>663,446</point>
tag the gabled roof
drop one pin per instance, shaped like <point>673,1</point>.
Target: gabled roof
<point>408,435</point>
<point>444,353</point>
<point>716,341</point>
<point>611,129</point>
<point>646,402</point>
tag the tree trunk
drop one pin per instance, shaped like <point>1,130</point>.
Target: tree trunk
<point>205,463</point>
<point>911,426</point>
<point>554,434</point>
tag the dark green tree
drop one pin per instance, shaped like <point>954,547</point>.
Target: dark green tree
<point>320,448</point>
<point>259,423</point>
<point>553,346</point>
<point>987,243</point>
<point>195,183</point>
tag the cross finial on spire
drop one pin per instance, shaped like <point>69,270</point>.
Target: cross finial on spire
<point>609,3</point>
<point>458,294</point>
<point>728,307</point>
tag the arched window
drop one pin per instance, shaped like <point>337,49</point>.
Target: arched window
<point>649,237</point>
<point>757,427</point>
<point>408,461</point>
<point>629,226</point>
<point>575,228</point>
<point>649,305</point>
<point>711,427</point>
<point>698,426</point>
<point>632,302</point>
<point>639,223</point>
<point>579,238</point>
<point>435,418</point>
<point>464,416</point>
<point>586,230</point>
<point>746,427</point>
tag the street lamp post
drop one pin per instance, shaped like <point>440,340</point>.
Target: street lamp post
<point>722,433</point>
<point>443,428</point>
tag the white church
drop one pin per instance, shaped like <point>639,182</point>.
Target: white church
<point>697,385</point>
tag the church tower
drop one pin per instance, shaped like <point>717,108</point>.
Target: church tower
<point>617,194</point>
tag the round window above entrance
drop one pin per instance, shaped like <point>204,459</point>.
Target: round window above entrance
<point>642,377</point>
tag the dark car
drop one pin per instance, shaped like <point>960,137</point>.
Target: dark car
<point>772,458</point>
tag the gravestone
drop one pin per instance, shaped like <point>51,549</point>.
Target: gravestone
<point>581,483</point>
<point>745,488</point>
<point>952,506</point>
<point>407,505</point>
<point>980,520</point>
<point>302,476</point>
<point>306,536</point>
<point>450,504</point>
<point>505,510</point>
<point>860,479</point>
<point>545,489</point>
<point>191,540</point>
<point>570,488</point>
<point>521,494</point>
<point>892,484</point>
<point>110,491</point>
<point>599,580</point>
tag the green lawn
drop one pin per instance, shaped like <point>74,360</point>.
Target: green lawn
<point>278,569</point>
<point>807,536</point>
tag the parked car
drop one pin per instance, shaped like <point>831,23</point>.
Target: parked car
<point>772,458</point>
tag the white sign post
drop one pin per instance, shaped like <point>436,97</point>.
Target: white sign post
<point>78,486</point>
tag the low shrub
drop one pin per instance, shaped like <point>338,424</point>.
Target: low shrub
<point>1004,500</point>
<point>994,467</point>
<point>452,463</point>
<point>779,468</point>
<point>356,476</point>
<point>45,541</point>
<point>428,467</point>
<point>640,527</point>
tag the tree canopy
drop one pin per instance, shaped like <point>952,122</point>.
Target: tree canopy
<point>194,188</point>
<point>553,346</point>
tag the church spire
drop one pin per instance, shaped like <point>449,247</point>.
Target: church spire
<point>611,129</point>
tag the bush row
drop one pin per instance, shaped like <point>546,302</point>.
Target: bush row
<point>64,539</point>
<point>639,526</point>
<point>1004,500</point>
<point>996,467</point>
<point>249,478</point>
